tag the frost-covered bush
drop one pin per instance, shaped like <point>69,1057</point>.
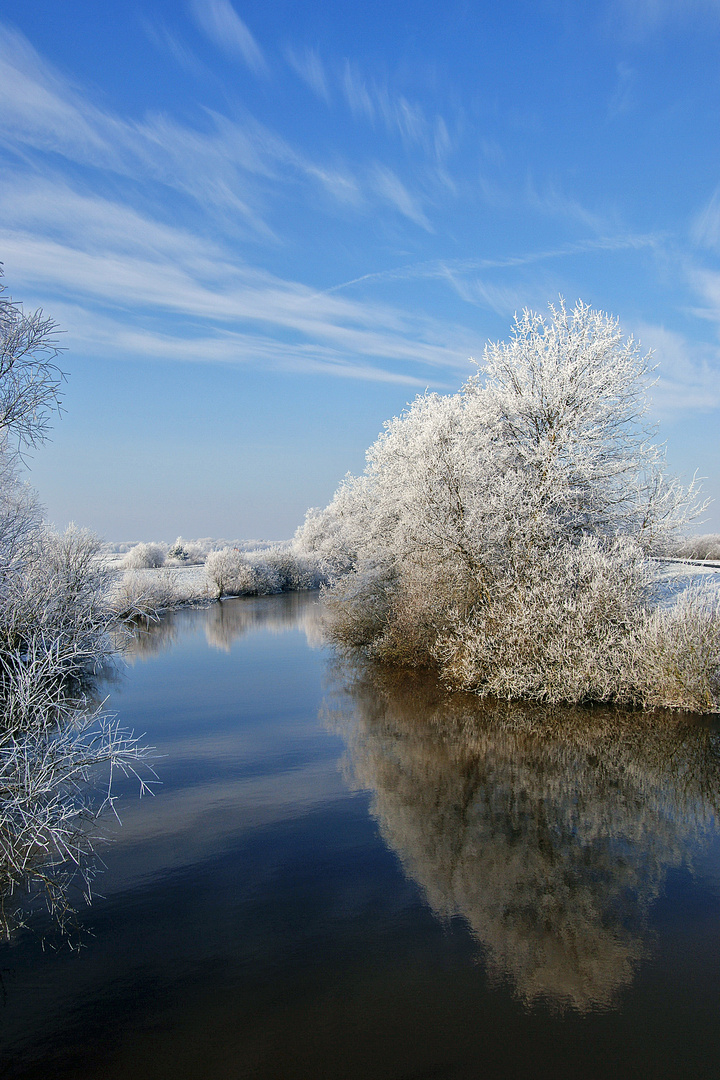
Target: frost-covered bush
<point>261,573</point>
<point>53,611</point>
<point>564,631</point>
<point>146,592</point>
<point>699,547</point>
<point>54,615</point>
<point>502,533</point>
<point>230,572</point>
<point>334,537</point>
<point>54,623</point>
<point>187,552</point>
<point>295,572</point>
<point>49,801</point>
<point>677,654</point>
<point>145,557</point>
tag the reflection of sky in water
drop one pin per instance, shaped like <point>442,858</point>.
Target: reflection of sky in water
<point>308,891</point>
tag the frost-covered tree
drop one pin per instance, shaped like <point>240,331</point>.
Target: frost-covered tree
<point>54,618</point>
<point>536,488</point>
<point>53,613</point>
<point>566,401</point>
<point>30,380</point>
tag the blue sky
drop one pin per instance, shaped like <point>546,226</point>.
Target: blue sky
<point>266,227</point>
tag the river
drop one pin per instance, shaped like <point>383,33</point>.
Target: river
<point>347,873</point>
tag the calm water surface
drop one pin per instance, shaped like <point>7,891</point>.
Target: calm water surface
<point>350,875</point>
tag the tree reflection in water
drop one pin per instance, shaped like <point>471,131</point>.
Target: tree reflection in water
<point>231,619</point>
<point>225,622</point>
<point>55,784</point>
<point>549,830</point>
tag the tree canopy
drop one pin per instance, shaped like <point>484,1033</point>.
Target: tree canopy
<point>523,506</point>
<point>30,380</point>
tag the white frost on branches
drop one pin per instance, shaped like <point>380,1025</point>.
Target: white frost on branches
<point>54,622</point>
<point>537,488</point>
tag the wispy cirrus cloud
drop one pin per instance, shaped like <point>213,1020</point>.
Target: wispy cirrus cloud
<point>623,96</point>
<point>357,94</point>
<point>98,256</point>
<point>224,166</point>
<point>639,19</point>
<point>705,229</point>
<point>548,198</point>
<point>442,269</point>
<point>706,283</point>
<point>170,43</point>
<point>502,298</point>
<point>224,27</point>
<point>375,102</point>
<point>688,375</point>
<point>50,208</point>
<point>92,332</point>
<point>389,186</point>
<point>125,266</point>
<point>553,201</point>
<point>44,111</point>
<point>121,254</point>
<point>307,64</point>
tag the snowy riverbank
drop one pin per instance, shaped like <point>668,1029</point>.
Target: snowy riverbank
<point>174,586</point>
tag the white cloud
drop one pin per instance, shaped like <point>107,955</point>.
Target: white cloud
<point>707,284</point>
<point>399,113</point>
<point>688,373</point>
<point>168,42</point>
<point>224,27</point>
<point>308,65</point>
<point>391,188</point>
<point>622,98</point>
<point>123,256</point>
<point>639,19</point>
<point>372,101</point>
<point>706,226</point>
<point>503,299</point>
<point>449,269</point>
<point>356,92</point>
<point>43,207</point>
<point>65,244</point>
<point>224,168</point>
<point>93,333</point>
<point>42,110</point>
<point>556,203</point>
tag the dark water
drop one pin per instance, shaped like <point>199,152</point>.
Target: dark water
<point>351,875</point>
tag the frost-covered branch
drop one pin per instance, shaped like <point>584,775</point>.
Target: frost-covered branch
<point>503,532</point>
<point>30,380</point>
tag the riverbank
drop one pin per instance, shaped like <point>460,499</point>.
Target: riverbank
<point>180,586</point>
<point>157,589</point>
<point>678,575</point>
<point>226,573</point>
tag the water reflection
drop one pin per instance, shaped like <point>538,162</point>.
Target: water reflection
<point>550,831</point>
<point>232,619</point>
<point>226,621</point>
<point>55,784</point>
<point>141,638</point>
